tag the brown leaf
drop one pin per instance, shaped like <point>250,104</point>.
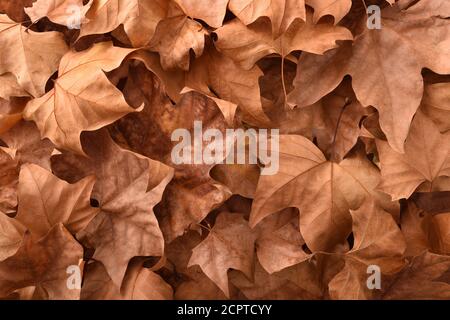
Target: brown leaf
<point>230,244</point>
<point>82,99</point>
<point>15,9</point>
<point>424,231</point>
<point>11,236</point>
<point>42,263</point>
<point>248,44</point>
<point>64,12</point>
<point>336,8</point>
<point>436,104</point>
<point>139,18</point>
<point>323,191</point>
<point>282,13</point>
<point>33,59</point>
<point>174,37</point>
<point>45,201</point>
<point>406,47</point>
<point>193,193</point>
<point>125,227</point>
<point>403,173</point>
<point>139,284</point>
<point>210,11</point>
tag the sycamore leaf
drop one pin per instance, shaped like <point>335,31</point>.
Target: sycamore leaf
<point>299,282</point>
<point>237,87</point>
<point>426,157</point>
<point>194,284</point>
<point>323,191</point>
<point>45,201</point>
<point>337,8</point>
<point>248,44</point>
<point>82,99</point>
<point>174,37</point>
<point>42,263</point>
<point>335,123</point>
<point>282,13</point>
<point>241,179</point>
<point>11,236</point>
<point>210,11</point>
<point>139,18</point>
<point>424,231</point>
<point>392,84</point>
<point>31,56</point>
<point>420,279</point>
<point>127,188</point>
<point>10,113</point>
<point>192,194</point>
<point>65,12</point>
<point>25,145</point>
<point>377,238</point>
<point>230,244</point>
<point>8,182</point>
<point>9,87</point>
<point>279,244</point>
<point>436,104</point>
<point>139,284</point>
<point>15,9</point>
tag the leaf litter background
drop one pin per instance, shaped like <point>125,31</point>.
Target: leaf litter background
<point>86,176</point>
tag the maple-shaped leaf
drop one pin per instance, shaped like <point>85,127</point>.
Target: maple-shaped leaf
<point>279,243</point>
<point>45,201</point>
<point>15,9</point>
<point>192,194</point>
<point>175,36</point>
<point>425,231</point>
<point>377,241</point>
<point>139,18</point>
<point>434,202</point>
<point>436,104</point>
<point>230,244</point>
<point>236,85</point>
<point>190,282</point>
<point>9,87</point>
<point>395,56</point>
<point>24,144</point>
<point>241,179</point>
<point>323,191</point>
<point>299,282</point>
<point>336,8</point>
<point>335,123</point>
<point>9,173</point>
<point>127,188</point>
<point>83,99</point>
<point>210,11</point>
<point>42,263</point>
<point>10,112</point>
<point>377,238</point>
<point>419,279</point>
<point>235,88</point>
<point>139,284</point>
<point>282,13</point>
<point>426,157</point>
<point>247,44</point>
<point>11,235</point>
<point>68,13</point>
<point>31,56</point>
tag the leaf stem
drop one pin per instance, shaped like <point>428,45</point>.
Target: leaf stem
<point>282,80</point>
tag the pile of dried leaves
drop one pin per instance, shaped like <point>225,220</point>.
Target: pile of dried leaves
<point>91,92</point>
